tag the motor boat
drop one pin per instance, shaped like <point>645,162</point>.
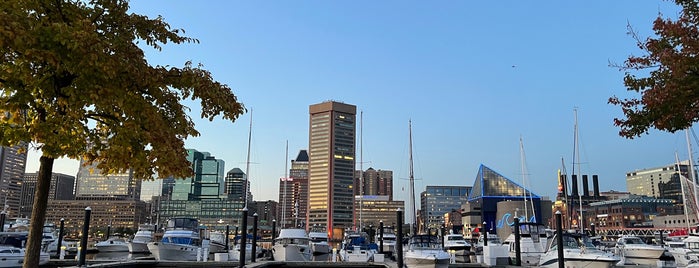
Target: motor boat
<point>292,245</point>
<point>685,252</point>
<point>218,242</point>
<point>11,251</point>
<point>425,251</point>
<point>389,240</point>
<point>234,254</point>
<point>533,241</point>
<point>181,241</point>
<point>112,244</point>
<point>578,252</point>
<point>456,244</point>
<point>319,243</point>
<point>357,248</point>
<point>144,235</point>
<point>635,251</point>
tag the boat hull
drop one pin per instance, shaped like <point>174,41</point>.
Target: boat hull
<point>426,259</point>
<point>291,252</point>
<point>578,260</point>
<point>138,247</point>
<point>173,252</point>
<point>112,248</point>
<point>320,248</point>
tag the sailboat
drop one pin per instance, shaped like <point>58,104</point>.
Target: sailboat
<point>687,251</point>
<point>423,250</point>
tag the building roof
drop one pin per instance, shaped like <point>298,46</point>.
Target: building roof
<point>302,157</point>
<point>489,183</point>
<point>235,171</point>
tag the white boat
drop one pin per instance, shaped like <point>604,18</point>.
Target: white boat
<point>635,251</point>
<point>456,244</point>
<point>356,248</point>
<point>11,251</point>
<point>425,251</point>
<point>49,240</point>
<point>234,254</point>
<point>181,241</point>
<point>292,245</point>
<point>144,235</point>
<point>319,243</point>
<point>578,252</point>
<point>532,243</point>
<point>113,244</point>
<point>389,240</point>
<point>685,252</point>
<point>217,242</point>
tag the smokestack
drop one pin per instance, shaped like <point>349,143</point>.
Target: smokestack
<point>574,190</point>
<point>595,185</point>
<point>586,189</point>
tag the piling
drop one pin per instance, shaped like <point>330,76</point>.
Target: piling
<point>381,236</point>
<point>559,239</point>
<point>518,250</point>
<point>59,247</point>
<point>399,239</point>
<point>253,254</point>
<point>243,237</point>
<point>83,239</point>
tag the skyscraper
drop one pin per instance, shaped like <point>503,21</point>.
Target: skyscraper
<point>331,166</point>
<point>235,185</point>
<point>376,182</point>
<point>207,182</point>
<point>62,186</point>
<point>91,184</point>
<point>293,193</point>
<point>12,164</point>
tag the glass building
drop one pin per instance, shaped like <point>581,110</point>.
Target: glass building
<point>436,201</point>
<point>207,182</point>
<point>490,188</point>
<point>13,161</point>
<point>331,166</point>
<point>91,184</point>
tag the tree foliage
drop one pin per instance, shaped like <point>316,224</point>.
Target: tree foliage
<point>75,83</point>
<point>666,76</point>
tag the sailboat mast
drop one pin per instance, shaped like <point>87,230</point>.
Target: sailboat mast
<point>247,163</point>
<point>361,168</point>
<point>568,207</point>
<point>413,223</point>
<point>691,173</point>
<point>576,155</point>
<point>684,197</point>
<point>285,179</point>
<point>524,183</point>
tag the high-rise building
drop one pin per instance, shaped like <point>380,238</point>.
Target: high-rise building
<point>375,182</point>
<point>152,188</point>
<point>331,151</point>
<point>236,185</point>
<point>61,188</point>
<point>436,201</point>
<point>91,184</point>
<point>207,181</point>
<point>293,193</point>
<point>13,161</point>
<point>646,181</point>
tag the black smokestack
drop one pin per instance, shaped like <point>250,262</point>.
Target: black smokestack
<point>586,190</point>
<point>574,180</point>
<point>564,183</point>
<point>595,185</point>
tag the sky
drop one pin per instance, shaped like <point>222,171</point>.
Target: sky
<point>473,77</point>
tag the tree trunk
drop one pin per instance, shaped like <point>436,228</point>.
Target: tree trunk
<point>36,223</point>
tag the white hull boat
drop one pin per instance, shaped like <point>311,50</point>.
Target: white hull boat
<point>578,252</point>
<point>181,241</point>
<point>457,245</point>
<point>319,243</point>
<point>635,251</point>
<point>425,251</point>
<point>113,244</point>
<point>356,248</point>
<point>173,252</point>
<point>140,241</point>
<point>532,244</point>
<point>292,245</point>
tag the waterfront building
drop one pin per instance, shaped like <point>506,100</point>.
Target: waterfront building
<point>105,211</point>
<point>293,193</point>
<point>237,185</point>
<point>435,201</point>
<point>331,151</point>
<point>376,208</point>
<point>13,161</point>
<point>61,188</point>
<point>375,182</point>
<point>266,211</point>
<point>151,188</point>
<point>632,212</point>
<point>92,184</point>
<point>649,180</point>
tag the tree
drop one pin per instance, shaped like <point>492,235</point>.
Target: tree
<point>75,83</point>
<point>670,92</point>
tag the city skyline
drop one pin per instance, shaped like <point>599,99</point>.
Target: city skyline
<point>473,78</point>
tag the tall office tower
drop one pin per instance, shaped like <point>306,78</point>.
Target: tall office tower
<point>149,189</point>
<point>331,166</point>
<point>436,201</point>
<point>207,182</point>
<point>646,181</point>
<point>376,182</point>
<point>61,188</point>
<point>12,164</point>
<point>235,185</point>
<point>293,193</point>
<point>92,184</point>
<point>168,186</point>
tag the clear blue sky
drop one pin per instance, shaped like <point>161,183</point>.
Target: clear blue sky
<point>447,65</point>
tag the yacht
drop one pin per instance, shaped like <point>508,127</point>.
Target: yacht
<point>578,252</point>
<point>12,251</point>
<point>532,243</point>
<point>49,239</point>
<point>180,242</point>
<point>685,252</point>
<point>389,240</point>
<point>113,244</point>
<point>493,239</point>
<point>140,241</point>
<point>319,242</point>
<point>217,242</point>
<point>425,251</point>
<point>457,245</point>
<point>635,251</point>
<point>292,245</point>
<point>356,248</point>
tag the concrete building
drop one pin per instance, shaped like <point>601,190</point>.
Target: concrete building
<point>92,184</point>
<point>647,181</point>
<point>237,185</point>
<point>114,212</point>
<point>61,188</point>
<point>266,212</point>
<point>13,161</point>
<point>374,182</point>
<point>331,151</point>
<point>632,212</point>
<point>376,208</point>
<point>293,193</point>
<point>436,201</point>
